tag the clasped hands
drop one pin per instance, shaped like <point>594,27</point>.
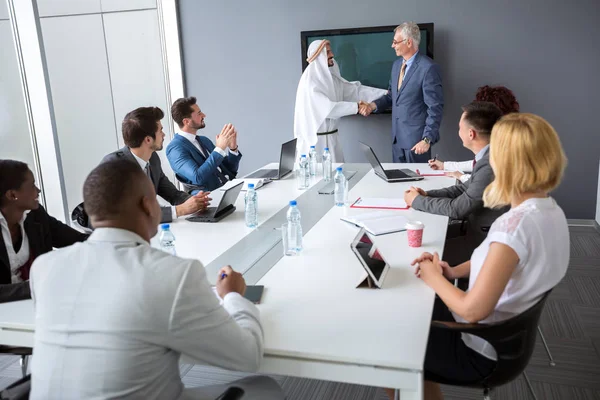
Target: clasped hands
<point>227,138</point>
<point>429,264</point>
<point>365,108</point>
<point>412,193</point>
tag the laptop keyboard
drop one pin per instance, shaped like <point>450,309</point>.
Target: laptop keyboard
<point>395,174</point>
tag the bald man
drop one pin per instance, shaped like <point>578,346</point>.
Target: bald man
<point>114,315</point>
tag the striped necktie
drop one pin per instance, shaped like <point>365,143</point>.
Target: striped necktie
<point>402,72</point>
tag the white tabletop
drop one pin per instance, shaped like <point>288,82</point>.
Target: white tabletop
<point>311,308</point>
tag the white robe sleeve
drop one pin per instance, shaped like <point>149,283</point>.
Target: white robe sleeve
<point>356,91</point>
<point>342,109</point>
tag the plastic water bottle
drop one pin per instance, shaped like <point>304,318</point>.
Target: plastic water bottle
<point>251,207</point>
<point>167,239</point>
<point>312,161</point>
<point>303,173</point>
<point>327,165</point>
<point>341,188</point>
<point>294,227</point>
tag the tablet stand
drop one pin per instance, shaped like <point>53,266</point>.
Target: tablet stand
<point>367,283</point>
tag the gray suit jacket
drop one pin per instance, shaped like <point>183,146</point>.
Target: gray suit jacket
<point>164,187</point>
<point>464,200</point>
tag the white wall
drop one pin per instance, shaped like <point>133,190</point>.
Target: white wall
<point>104,59</point>
<point>15,139</point>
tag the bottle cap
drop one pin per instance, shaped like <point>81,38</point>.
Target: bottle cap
<point>251,186</point>
<point>164,227</point>
<point>293,203</point>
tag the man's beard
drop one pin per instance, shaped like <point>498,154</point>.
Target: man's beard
<point>201,125</point>
<point>330,62</point>
<point>157,148</point>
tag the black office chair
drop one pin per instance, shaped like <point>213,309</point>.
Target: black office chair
<point>187,187</point>
<point>80,220</point>
<point>513,340</point>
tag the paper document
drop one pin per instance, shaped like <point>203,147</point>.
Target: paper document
<point>258,183</point>
<point>380,202</point>
<point>428,171</point>
<point>378,223</point>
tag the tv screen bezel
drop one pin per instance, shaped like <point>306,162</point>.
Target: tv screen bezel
<point>304,35</point>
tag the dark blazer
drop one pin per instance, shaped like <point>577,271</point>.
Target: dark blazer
<point>417,107</point>
<point>44,233</point>
<point>192,168</point>
<point>464,200</point>
<point>163,186</point>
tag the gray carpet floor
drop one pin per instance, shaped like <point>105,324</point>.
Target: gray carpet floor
<point>570,323</point>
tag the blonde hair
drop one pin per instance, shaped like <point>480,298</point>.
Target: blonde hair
<point>526,156</point>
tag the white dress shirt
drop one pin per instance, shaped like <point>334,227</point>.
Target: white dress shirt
<point>113,315</point>
<point>537,231</point>
<point>192,138</point>
<point>143,165</point>
<point>465,166</point>
<point>15,259</point>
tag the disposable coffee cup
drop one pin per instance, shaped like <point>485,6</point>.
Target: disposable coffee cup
<point>414,230</point>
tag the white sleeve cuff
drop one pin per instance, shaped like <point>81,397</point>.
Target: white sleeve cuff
<point>220,151</point>
<point>173,213</point>
<point>465,177</point>
<point>235,153</point>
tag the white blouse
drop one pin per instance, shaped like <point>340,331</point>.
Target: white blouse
<point>15,259</point>
<point>537,231</point>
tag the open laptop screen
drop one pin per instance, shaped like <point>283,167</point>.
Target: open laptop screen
<point>287,158</point>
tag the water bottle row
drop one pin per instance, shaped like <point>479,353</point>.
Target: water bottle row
<point>291,231</point>
<point>308,167</point>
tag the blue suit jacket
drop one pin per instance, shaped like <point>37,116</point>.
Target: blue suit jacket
<point>192,168</point>
<point>417,107</point>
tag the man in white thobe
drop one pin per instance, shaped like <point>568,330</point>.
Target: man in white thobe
<point>322,98</point>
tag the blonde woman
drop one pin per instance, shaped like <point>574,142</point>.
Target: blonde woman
<point>525,254</point>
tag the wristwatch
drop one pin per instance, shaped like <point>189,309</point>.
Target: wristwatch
<point>427,140</point>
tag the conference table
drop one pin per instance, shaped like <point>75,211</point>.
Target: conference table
<point>316,323</point>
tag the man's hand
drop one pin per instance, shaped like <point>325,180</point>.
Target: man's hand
<point>229,281</point>
<point>233,141</point>
<point>195,203</point>
<point>436,165</point>
<point>420,148</point>
<point>412,193</point>
<point>365,108</point>
<point>224,138</point>
<point>454,174</point>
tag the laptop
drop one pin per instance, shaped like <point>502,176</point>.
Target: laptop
<point>225,207</point>
<point>370,258</point>
<point>286,163</point>
<point>388,175</point>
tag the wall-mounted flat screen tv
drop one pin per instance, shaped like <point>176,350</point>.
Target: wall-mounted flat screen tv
<point>365,54</point>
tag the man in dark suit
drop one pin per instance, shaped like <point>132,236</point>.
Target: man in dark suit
<point>143,136</point>
<point>416,97</point>
<point>465,200</point>
<point>197,162</point>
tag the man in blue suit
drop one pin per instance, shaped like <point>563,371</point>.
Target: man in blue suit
<point>415,95</point>
<point>196,161</point>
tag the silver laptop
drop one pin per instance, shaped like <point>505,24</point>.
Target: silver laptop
<point>225,207</point>
<point>388,175</point>
<point>286,163</point>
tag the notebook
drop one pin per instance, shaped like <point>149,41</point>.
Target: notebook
<point>258,183</point>
<point>378,223</point>
<point>381,203</point>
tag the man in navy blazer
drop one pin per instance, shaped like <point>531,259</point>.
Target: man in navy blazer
<point>415,95</point>
<point>196,161</point>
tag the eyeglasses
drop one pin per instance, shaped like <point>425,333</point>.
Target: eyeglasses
<point>395,43</point>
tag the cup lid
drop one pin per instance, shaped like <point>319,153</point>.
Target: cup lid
<point>415,225</point>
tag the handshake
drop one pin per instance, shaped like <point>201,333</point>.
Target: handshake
<point>365,109</point>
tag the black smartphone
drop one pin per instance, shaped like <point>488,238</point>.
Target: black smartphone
<point>254,293</point>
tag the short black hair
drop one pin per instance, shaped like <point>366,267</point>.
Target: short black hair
<point>182,108</point>
<point>140,123</point>
<point>12,176</point>
<point>109,186</point>
<point>482,115</point>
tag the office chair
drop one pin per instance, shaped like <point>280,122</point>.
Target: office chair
<point>513,340</point>
<point>80,220</point>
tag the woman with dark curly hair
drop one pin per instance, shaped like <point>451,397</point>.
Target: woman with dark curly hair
<point>26,230</point>
<point>506,101</point>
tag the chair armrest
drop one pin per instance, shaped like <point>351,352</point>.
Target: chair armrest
<point>461,327</point>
